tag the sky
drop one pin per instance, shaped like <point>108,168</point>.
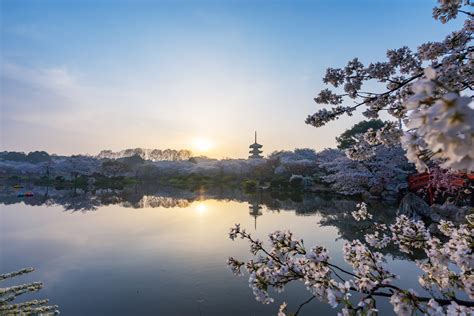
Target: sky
<point>82,76</point>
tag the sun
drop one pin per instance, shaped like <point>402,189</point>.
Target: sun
<point>202,144</point>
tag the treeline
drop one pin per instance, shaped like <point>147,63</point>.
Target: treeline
<point>147,154</point>
<point>32,157</point>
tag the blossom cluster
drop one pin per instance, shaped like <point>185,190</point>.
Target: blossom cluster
<point>361,213</point>
<point>448,10</point>
<point>442,126</point>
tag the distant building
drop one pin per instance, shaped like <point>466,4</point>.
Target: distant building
<point>255,151</point>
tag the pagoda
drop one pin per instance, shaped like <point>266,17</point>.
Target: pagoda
<point>255,211</point>
<point>255,152</point>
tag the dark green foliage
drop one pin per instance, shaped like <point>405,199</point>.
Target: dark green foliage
<point>279,183</point>
<point>114,167</point>
<point>196,181</point>
<point>38,156</point>
<point>250,186</point>
<point>132,161</point>
<point>13,156</point>
<point>293,195</point>
<point>120,182</point>
<point>296,183</point>
<point>345,140</point>
<point>85,182</point>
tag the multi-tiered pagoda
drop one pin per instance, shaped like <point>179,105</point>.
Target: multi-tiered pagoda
<point>255,211</point>
<point>255,151</point>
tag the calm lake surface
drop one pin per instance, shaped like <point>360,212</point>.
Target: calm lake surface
<point>115,253</point>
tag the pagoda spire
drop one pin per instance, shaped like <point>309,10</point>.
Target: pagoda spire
<point>255,151</point>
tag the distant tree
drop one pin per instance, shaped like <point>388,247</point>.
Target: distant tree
<point>14,156</point>
<point>305,153</point>
<point>301,161</point>
<point>184,154</point>
<point>168,154</point>
<point>262,171</point>
<point>105,154</point>
<point>32,157</point>
<point>114,167</point>
<point>132,161</point>
<point>346,139</point>
<point>38,156</point>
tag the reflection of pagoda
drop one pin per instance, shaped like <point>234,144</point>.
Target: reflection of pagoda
<point>254,210</point>
<point>255,151</point>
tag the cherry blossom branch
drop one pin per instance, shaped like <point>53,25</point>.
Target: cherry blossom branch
<point>288,261</point>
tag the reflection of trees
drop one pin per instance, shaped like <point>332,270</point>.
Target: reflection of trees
<point>311,204</point>
<point>334,210</point>
<point>70,200</point>
<point>79,200</point>
<point>151,197</point>
<point>350,229</point>
<point>150,201</point>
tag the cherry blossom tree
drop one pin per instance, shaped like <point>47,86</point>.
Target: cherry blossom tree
<point>346,139</point>
<point>385,172</point>
<point>428,89</point>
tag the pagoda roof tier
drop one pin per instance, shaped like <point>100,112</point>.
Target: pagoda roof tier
<point>255,145</point>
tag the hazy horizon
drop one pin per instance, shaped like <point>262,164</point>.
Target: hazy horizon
<point>198,75</point>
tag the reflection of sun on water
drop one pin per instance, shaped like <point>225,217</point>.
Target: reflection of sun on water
<point>201,208</point>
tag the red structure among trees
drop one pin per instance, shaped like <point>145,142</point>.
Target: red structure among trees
<point>431,184</point>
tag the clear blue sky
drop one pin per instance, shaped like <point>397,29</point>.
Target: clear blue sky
<point>81,76</point>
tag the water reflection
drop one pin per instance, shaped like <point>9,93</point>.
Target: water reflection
<point>149,197</point>
<point>201,208</point>
<point>334,211</point>
<point>255,211</point>
<point>98,256</point>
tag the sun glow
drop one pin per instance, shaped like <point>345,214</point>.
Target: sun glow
<point>202,144</point>
<point>201,208</point>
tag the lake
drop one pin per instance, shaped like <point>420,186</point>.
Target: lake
<point>148,251</point>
